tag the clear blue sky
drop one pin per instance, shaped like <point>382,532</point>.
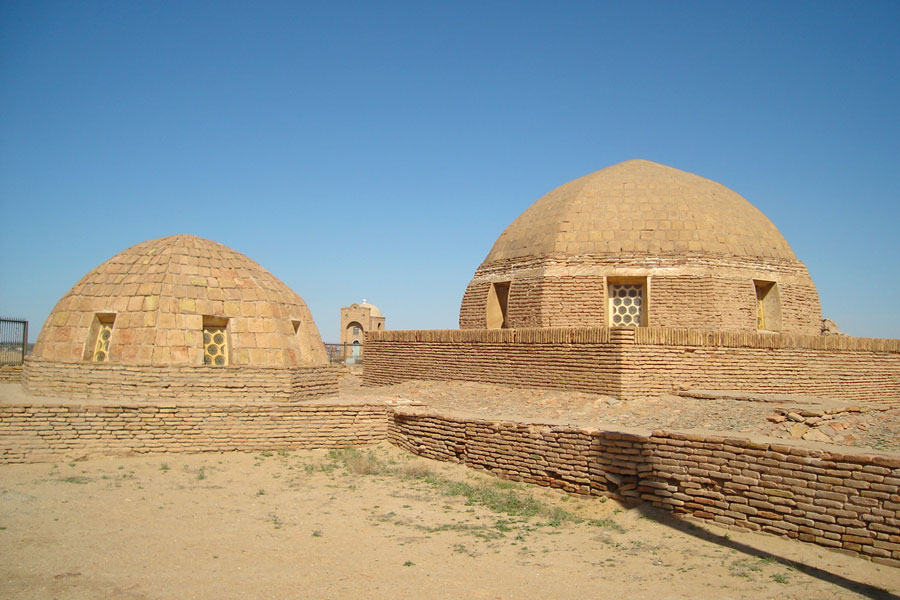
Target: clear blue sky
<point>376,150</point>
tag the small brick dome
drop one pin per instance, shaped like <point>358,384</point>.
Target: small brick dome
<point>694,253</point>
<point>181,300</point>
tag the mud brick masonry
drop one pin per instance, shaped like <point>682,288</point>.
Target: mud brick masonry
<point>635,362</point>
<point>636,280</point>
<point>149,384</point>
<point>47,432</point>
<point>180,318</point>
<point>824,495</point>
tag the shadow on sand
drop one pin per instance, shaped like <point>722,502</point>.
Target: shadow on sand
<point>699,531</point>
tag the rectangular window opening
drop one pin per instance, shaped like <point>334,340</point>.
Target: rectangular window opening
<point>768,305</point>
<point>496,312</point>
<point>99,337</point>
<point>215,341</point>
<point>627,301</point>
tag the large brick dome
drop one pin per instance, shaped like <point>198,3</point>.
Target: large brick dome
<point>181,300</point>
<point>681,251</point>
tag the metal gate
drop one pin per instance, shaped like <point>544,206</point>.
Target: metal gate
<point>13,341</point>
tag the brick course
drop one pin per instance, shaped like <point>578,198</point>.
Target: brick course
<point>10,373</point>
<point>818,494</point>
<point>147,384</point>
<point>645,361</point>
<point>35,433</point>
<point>828,497</point>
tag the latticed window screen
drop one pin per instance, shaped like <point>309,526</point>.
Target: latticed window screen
<point>215,345</point>
<point>101,348</point>
<point>626,304</point>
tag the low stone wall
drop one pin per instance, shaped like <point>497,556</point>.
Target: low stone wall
<point>36,433</point>
<point>631,363</point>
<point>834,498</point>
<point>147,384</point>
<point>10,373</point>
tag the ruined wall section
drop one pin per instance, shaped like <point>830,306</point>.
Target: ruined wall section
<point>829,496</point>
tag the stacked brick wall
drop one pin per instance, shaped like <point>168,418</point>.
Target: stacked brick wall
<point>556,358</point>
<point>472,308</point>
<point>645,361</point>
<point>10,373</point>
<point>152,384</point>
<point>572,301</point>
<point>696,292</point>
<point>524,303</point>
<point>795,298</point>
<point>34,433</point>
<point>836,499</point>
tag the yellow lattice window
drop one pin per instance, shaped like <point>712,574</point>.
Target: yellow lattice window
<point>101,348</point>
<point>215,342</point>
<point>96,347</point>
<point>626,304</point>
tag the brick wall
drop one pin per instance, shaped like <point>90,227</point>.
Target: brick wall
<point>825,496</point>
<point>35,433</point>
<point>10,373</point>
<point>645,361</point>
<point>148,384</point>
<point>814,493</point>
<point>683,292</point>
<point>472,308</point>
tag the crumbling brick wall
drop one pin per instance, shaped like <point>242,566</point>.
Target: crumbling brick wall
<point>835,497</point>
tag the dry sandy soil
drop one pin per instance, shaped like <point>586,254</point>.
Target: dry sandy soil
<point>376,523</point>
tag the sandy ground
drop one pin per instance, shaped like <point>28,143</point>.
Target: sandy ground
<point>376,523</point>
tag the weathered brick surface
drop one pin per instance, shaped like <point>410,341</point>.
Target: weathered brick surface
<point>696,244</point>
<point>10,373</point>
<point>685,301</point>
<point>645,361</point>
<point>814,494</point>
<point>849,501</point>
<point>147,384</point>
<point>35,433</point>
<point>161,290</point>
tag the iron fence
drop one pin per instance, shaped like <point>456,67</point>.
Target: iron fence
<point>13,341</point>
<point>344,354</point>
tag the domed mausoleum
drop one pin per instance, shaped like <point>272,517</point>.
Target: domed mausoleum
<point>640,244</point>
<point>177,302</point>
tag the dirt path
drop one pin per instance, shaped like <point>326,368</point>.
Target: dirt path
<point>379,524</point>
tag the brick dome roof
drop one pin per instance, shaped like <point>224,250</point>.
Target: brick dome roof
<point>374,311</point>
<point>641,207</point>
<point>162,297</point>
